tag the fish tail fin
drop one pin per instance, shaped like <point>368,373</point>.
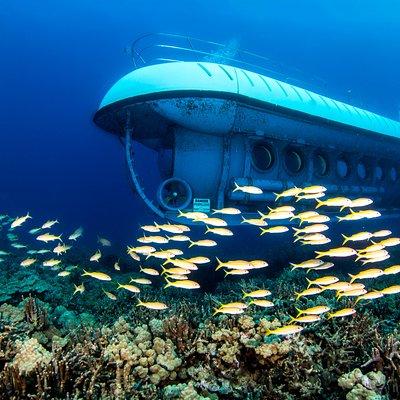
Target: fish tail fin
<point>342,208</point>
<point>298,295</point>
<point>191,243</point>
<point>296,230</point>
<point>216,311</point>
<point>269,208</point>
<point>298,198</point>
<point>139,303</point>
<point>359,256</point>
<point>319,254</point>
<point>320,203</point>
<point>294,266</point>
<point>168,283</point>
<point>263,231</point>
<point>329,316</point>
<point>220,263</point>
<point>268,332</point>
<point>309,282</point>
<point>207,229</point>
<point>277,196</point>
<point>226,273</point>
<point>263,216</point>
<point>180,214</point>
<point>214,211</point>
<point>243,220</point>
<point>299,312</point>
<point>244,294</point>
<point>352,278</point>
<point>292,319</point>
<point>340,219</point>
<point>297,239</point>
<point>84,273</point>
<point>346,239</point>
<point>237,187</point>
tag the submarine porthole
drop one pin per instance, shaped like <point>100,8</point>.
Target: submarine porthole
<point>393,174</point>
<point>378,173</point>
<point>262,156</point>
<point>174,194</point>
<point>361,170</point>
<point>293,160</point>
<point>320,163</point>
<point>342,167</point>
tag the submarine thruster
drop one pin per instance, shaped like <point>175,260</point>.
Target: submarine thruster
<point>215,123</point>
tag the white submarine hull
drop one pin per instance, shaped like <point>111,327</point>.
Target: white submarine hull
<point>214,124</point>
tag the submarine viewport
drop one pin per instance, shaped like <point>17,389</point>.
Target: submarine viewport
<point>216,117</point>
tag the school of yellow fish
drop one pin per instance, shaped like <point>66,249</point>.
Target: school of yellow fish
<point>175,269</point>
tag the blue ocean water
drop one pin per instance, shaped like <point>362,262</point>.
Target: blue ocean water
<point>59,59</point>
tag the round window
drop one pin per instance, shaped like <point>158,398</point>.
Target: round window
<point>293,160</point>
<point>342,167</point>
<point>262,156</point>
<point>320,164</point>
<point>378,173</point>
<point>361,170</point>
<point>393,174</point>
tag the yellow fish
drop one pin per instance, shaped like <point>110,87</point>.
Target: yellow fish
<point>27,262</point>
<point>169,228</point>
<point>334,202</point>
<point>337,252</point>
<point>372,254</point>
<point>375,259</point>
<point>152,305</point>
<point>274,229</point>
<point>51,263</point>
<point>344,312</point>
<point>236,304</point>
<point>146,250</point>
<point>49,224</point>
<point>394,269</point>
<point>367,274</point>
<point>367,214</point>
<point>149,271</point>
<point>192,214</point>
<point>134,255</point>
<point>63,273</point>
<point>323,281</point>
<point>254,221</point>
<point>311,196</point>
<point>233,264</point>
<point>257,264</point>
<point>162,254</point>
<point>110,295</point>
<point>357,237</point>
<point>96,256</point>
<point>203,243</point>
<point>236,272</point>
<point>227,211</point>
<point>314,189</point>
<point>307,264</point>
<point>262,303</point>
<point>390,242</point>
<point>61,248</point>
<point>129,288</point>
<point>47,237</point>
<point>212,221</point>
<point>370,296</point>
<point>256,294</point>
<point>101,276</point>
<point>285,330</point>
<point>360,202</point>
<point>306,318</point>
<point>351,293</point>
<point>179,238</point>
<point>19,221</point>
<point>247,189</point>
<point>382,233</point>
<point>308,292</point>
<point>316,242</point>
<point>314,228</point>
<point>304,214</point>
<point>317,310</point>
<point>338,286</point>
<point>371,248</point>
<point>156,239</point>
<point>228,310</point>
<point>391,290</point>
<point>181,263</point>
<point>281,209</point>
<point>141,281</point>
<point>198,260</point>
<point>311,237</point>
<point>324,266</point>
<point>184,284</point>
<point>176,277</point>
<point>315,219</point>
<point>176,252</point>
<point>150,228</point>
<point>276,215</point>
<point>175,271</point>
<point>288,193</point>
<point>220,231</point>
<point>79,289</point>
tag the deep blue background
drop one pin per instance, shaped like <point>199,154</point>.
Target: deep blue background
<point>58,58</point>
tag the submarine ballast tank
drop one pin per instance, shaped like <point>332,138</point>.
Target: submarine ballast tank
<point>213,124</point>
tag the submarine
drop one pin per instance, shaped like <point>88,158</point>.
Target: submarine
<point>213,121</point>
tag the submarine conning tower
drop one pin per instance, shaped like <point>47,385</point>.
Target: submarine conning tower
<point>213,124</point>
